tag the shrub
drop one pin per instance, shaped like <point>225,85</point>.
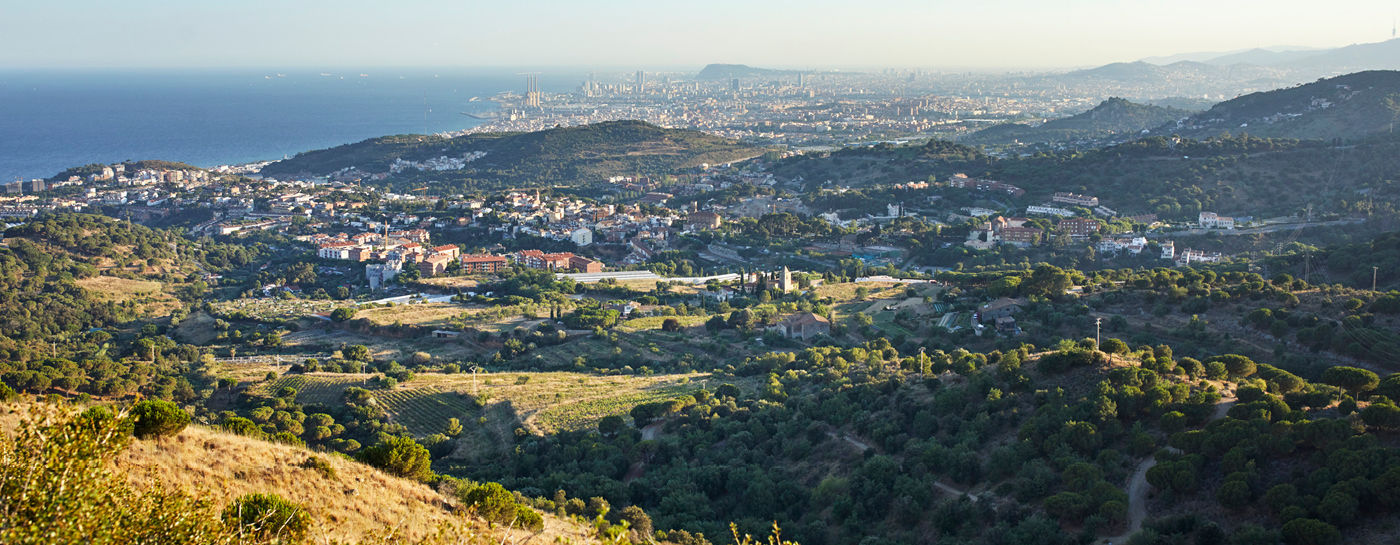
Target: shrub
<point>323,467</point>
<point>243,426</point>
<point>496,504</point>
<point>1172,422</point>
<point>401,457</point>
<point>155,418</point>
<point>342,314</point>
<point>7,393</point>
<point>1310,532</point>
<point>268,517</point>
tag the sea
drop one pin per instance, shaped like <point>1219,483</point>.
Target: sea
<point>51,120</point>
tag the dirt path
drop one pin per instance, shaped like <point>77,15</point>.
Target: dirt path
<point>955,491</point>
<point>1138,486</point>
<point>851,440</point>
<point>649,432</point>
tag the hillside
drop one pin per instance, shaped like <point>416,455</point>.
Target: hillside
<point>1349,107</point>
<point>197,471</point>
<point>555,156</point>
<point>1114,117</point>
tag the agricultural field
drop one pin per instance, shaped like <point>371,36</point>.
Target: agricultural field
<point>271,309</point>
<point>541,402</point>
<point>418,314</point>
<point>654,322</point>
<point>451,282</point>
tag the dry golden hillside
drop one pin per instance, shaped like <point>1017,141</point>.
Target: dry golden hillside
<point>359,505</point>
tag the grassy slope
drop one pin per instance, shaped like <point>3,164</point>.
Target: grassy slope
<point>359,503</point>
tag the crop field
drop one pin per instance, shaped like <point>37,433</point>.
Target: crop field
<point>847,291</point>
<point>452,282</point>
<point>654,322</point>
<point>424,411</point>
<point>273,309</point>
<point>544,402</point>
<point>424,314</point>
<point>315,389</point>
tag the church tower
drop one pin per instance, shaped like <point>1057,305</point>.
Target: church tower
<point>785,282</point>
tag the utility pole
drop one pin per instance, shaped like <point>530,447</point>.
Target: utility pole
<point>1373,278</point>
<point>1098,322</point>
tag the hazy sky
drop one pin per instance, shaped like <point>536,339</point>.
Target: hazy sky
<point>659,34</point>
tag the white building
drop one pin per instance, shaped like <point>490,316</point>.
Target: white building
<point>1189,256</point>
<point>581,237</point>
<point>378,275</point>
<point>1049,210</point>
<point>1208,220</point>
<point>1168,250</point>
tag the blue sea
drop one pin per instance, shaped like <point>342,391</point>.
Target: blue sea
<point>51,120</point>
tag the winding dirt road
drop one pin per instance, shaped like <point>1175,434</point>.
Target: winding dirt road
<point>1138,487</point>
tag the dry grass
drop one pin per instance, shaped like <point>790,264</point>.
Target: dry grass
<point>149,294</point>
<point>425,314</point>
<point>197,329</point>
<point>360,503</point>
<point>120,289</point>
<point>847,291</point>
<point>451,282</point>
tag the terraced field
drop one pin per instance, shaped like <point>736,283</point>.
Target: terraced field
<point>587,413</point>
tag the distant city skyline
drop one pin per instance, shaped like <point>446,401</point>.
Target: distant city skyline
<point>815,34</point>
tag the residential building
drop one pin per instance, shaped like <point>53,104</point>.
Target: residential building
<point>379,275</point>
<point>1209,220</point>
<point>335,250</point>
<point>450,250</point>
<point>434,265</point>
<point>1000,308</point>
<point>1079,227</point>
<point>1050,210</point>
<point>483,263</point>
<point>1078,200</point>
<point>1189,256</point>
<point>703,220</point>
<point>581,236</point>
<point>1020,235</point>
<point>803,326</point>
<point>584,264</point>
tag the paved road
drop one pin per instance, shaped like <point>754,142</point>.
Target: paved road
<point>1256,230</point>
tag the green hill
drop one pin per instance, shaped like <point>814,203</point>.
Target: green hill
<point>1350,106</point>
<point>1114,117</point>
<point>555,156</point>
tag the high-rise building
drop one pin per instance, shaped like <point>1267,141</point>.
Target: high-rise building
<point>641,82</point>
<point>801,79</point>
<point>734,85</point>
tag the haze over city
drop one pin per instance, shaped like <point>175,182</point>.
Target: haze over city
<point>997,34</point>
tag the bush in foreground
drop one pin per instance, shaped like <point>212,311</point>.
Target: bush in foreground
<point>155,418</point>
<point>267,517</point>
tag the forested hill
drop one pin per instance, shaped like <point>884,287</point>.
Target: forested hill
<point>1348,107</point>
<point>728,71</point>
<point>1113,116</point>
<point>559,155</point>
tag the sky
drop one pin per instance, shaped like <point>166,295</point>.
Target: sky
<point>664,34</point>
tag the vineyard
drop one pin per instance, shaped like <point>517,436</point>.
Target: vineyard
<point>317,389</point>
<point>424,411</point>
<point>587,413</point>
